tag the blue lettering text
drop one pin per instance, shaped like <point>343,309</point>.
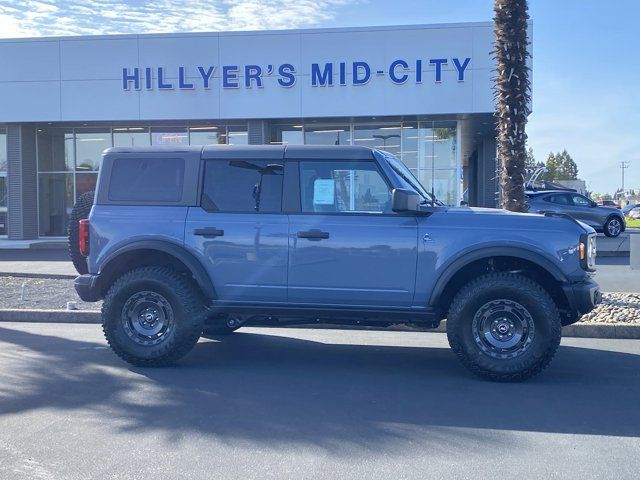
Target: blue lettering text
<point>287,77</point>
<point>392,72</point>
<point>230,76</point>
<point>438,62</point>
<point>321,78</point>
<point>461,68</point>
<point>127,78</point>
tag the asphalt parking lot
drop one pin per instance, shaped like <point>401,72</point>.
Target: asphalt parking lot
<point>287,403</point>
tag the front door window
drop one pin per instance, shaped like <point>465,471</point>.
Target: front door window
<point>334,187</point>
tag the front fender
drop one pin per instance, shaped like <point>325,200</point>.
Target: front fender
<point>451,267</point>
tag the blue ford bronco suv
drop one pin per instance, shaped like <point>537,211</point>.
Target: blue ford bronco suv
<point>183,241</point>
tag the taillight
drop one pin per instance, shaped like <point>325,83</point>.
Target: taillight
<point>83,237</point>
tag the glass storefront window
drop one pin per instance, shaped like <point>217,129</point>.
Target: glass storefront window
<point>55,195</point>
<point>85,182</point>
<point>3,150</point>
<point>237,135</point>
<point>207,135</point>
<point>55,149</point>
<point>90,143</point>
<point>444,147</point>
<point>410,145</point>
<point>3,181</point>
<point>442,183</point>
<point>287,135</point>
<point>131,137</point>
<point>327,135</point>
<point>382,137</point>
<point>169,136</point>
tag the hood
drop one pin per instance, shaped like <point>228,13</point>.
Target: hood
<point>499,218</point>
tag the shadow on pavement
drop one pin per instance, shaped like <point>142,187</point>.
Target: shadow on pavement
<point>271,389</point>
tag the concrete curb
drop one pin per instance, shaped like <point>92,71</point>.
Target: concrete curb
<point>54,276</point>
<point>581,330</point>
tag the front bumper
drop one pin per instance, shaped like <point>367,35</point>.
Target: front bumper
<point>87,287</point>
<point>582,297</point>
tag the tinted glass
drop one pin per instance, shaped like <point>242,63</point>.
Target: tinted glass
<point>131,137</point>
<point>55,149</point>
<point>237,136</point>
<point>207,135</point>
<point>581,201</point>
<point>55,193</point>
<point>147,179</point>
<point>327,135</point>
<point>343,187</point>
<point>169,136</point>
<point>242,186</point>
<point>90,143</point>
<point>3,151</point>
<point>560,199</point>
<point>382,137</point>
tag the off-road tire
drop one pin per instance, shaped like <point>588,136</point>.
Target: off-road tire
<point>80,211</point>
<point>606,227</point>
<point>509,286</point>
<point>188,316</point>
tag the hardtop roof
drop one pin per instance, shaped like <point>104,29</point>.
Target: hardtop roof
<point>297,152</point>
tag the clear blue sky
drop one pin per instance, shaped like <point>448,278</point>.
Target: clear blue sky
<point>586,94</point>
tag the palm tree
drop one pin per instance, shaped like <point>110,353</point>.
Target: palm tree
<point>513,95</point>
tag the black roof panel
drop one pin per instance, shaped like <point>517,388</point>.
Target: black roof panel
<point>266,152</point>
<point>328,152</point>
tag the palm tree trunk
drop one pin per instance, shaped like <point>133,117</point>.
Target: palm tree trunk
<point>513,95</point>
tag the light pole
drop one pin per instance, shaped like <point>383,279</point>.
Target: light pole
<point>623,167</point>
<point>384,139</point>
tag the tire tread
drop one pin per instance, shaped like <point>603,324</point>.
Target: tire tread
<point>193,310</point>
<point>529,287</point>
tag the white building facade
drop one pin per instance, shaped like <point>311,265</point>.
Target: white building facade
<point>423,93</point>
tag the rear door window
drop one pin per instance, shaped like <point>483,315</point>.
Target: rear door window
<point>147,179</point>
<point>242,186</point>
<point>559,199</point>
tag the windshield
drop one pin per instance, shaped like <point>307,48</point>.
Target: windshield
<point>407,178</point>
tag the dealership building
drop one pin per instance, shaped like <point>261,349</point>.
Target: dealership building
<point>422,92</point>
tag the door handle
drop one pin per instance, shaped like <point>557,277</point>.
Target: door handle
<point>208,232</point>
<point>313,235</point>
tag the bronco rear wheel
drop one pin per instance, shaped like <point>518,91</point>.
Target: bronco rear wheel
<point>152,316</point>
<point>504,327</point>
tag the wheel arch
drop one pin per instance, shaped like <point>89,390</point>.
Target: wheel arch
<point>154,252</point>
<point>613,215</point>
<point>534,265</point>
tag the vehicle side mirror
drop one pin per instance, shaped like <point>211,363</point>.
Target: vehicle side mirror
<point>593,204</point>
<point>404,200</point>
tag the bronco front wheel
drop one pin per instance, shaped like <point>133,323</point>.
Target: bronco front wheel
<point>504,327</point>
<point>152,316</point>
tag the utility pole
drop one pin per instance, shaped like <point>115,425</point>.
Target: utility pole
<point>623,167</point>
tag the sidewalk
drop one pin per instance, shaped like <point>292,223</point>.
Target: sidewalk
<point>40,262</point>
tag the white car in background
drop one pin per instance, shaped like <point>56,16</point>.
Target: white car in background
<point>634,212</point>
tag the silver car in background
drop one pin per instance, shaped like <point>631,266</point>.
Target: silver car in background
<point>608,220</point>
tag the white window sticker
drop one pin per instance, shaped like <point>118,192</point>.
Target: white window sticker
<point>324,191</point>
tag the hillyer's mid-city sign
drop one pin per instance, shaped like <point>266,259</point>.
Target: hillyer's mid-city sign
<point>321,74</point>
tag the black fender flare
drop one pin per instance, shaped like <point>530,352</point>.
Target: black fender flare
<point>177,251</point>
<point>488,252</point>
